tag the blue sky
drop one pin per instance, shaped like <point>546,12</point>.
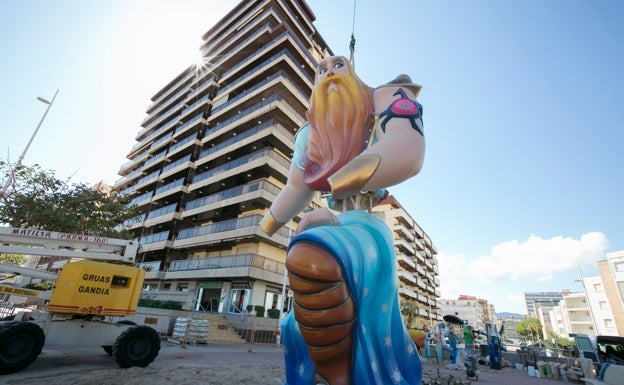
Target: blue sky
<point>523,114</point>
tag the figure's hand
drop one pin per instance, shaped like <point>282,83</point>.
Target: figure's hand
<point>320,217</point>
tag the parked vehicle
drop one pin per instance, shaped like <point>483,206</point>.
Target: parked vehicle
<point>600,349</point>
<point>610,349</point>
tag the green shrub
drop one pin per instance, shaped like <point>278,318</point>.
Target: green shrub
<point>273,313</point>
<point>259,311</point>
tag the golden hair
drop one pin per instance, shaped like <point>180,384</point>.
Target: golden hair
<point>341,120</point>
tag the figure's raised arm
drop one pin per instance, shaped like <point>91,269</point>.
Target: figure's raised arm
<point>293,199</point>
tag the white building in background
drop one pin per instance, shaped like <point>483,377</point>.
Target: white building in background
<point>576,315</point>
<point>599,307</point>
<point>597,310</point>
<point>468,308</point>
<point>552,318</point>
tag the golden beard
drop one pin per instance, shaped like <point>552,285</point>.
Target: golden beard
<point>341,121</point>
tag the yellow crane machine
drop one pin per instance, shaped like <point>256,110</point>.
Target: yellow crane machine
<point>98,280</point>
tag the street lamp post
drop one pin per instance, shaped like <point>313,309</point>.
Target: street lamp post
<point>19,160</point>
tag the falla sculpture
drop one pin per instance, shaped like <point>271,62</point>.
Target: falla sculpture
<point>346,325</point>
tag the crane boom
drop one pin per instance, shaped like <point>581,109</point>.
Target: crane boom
<point>51,243</point>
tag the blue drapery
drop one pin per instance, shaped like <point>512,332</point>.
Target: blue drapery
<point>383,352</point>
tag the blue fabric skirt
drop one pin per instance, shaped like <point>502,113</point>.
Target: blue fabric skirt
<point>383,352</point>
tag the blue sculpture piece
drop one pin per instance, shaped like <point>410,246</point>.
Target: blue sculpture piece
<point>494,346</point>
<point>346,325</point>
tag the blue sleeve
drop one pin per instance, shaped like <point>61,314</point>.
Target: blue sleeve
<point>301,141</point>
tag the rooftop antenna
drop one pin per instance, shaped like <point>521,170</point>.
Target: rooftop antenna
<point>352,42</point>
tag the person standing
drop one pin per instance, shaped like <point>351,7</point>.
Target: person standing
<point>469,340</point>
<point>428,337</point>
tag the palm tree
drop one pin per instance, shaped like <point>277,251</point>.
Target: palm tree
<point>409,309</point>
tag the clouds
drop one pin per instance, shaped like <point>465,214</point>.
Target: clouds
<point>514,267</point>
<point>540,258</point>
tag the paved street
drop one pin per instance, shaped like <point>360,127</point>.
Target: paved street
<point>77,360</point>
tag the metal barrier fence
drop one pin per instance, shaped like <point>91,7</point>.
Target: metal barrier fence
<point>178,326</point>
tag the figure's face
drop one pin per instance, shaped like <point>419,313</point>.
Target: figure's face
<point>330,66</point>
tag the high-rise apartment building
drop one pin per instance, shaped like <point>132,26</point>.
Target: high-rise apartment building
<point>531,299</point>
<point>214,151</point>
<point>417,260</point>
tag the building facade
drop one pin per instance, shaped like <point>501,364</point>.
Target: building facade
<point>213,152</point>
<point>417,260</point>
<point>611,273</point>
<point>544,298</point>
<point>468,308</point>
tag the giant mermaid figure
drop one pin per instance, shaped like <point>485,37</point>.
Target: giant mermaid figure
<point>346,327</point>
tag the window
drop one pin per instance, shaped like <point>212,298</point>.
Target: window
<point>618,266</point>
<point>150,286</point>
<point>183,286</point>
<point>603,305</point>
<point>620,286</point>
<point>167,286</point>
<point>608,323</point>
<point>598,287</point>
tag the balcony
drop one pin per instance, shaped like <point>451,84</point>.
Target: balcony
<point>406,261</point>
<point>403,232</point>
<point>133,163</point>
<point>240,165</point>
<point>283,55</point>
<point>166,95</point>
<point>124,182</point>
<point>134,222</point>
<point>256,190</point>
<point>419,244</point>
<point>170,188</point>
<point>405,246</point>
<point>185,127</point>
<point>179,147</point>
<point>252,113</point>
<point>173,168</point>
<point>406,292</point>
<point>273,82</point>
<point>156,241</point>
<point>214,233</point>
<point>268,130</point>
<point>149,178</point>
<point>406,276</point>
<point>141,199</point>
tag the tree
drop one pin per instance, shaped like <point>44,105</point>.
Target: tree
<point>12,259</point>
<point>530,327</point>
<point>409,309</point>
<point>37,199</point>
<point>562,342</point>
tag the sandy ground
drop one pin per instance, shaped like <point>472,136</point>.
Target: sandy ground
<point>212,364</point>
<point>201,364</point>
